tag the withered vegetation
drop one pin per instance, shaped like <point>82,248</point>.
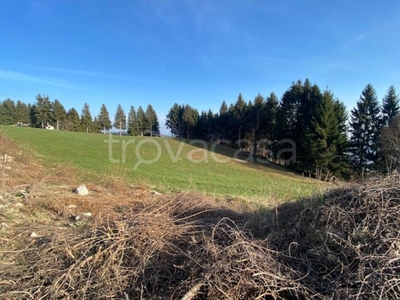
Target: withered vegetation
<point>343,245</point>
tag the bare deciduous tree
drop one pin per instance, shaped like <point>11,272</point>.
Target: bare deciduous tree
<point>390,144</point>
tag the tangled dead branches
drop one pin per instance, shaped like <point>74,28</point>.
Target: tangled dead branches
<point>165,249</point>
<point>346,246</point>
<point>351,244</point>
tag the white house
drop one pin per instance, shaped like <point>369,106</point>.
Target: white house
<point>49,127</point>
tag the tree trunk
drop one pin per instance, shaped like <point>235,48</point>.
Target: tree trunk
<point>57,124</point>
<point>254,144</point>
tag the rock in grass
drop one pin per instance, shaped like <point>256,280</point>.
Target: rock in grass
<point>4,225</point>
<point>81,190</point>
<point>34,235</point>
<point>156,193</point>
<point>85,215</point>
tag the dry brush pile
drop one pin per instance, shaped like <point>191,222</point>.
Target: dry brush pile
<point>188,247</point>
<point>350,245</point>
<point>180,247</point>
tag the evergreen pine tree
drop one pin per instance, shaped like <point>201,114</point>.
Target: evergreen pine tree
<point>133,125</point>
<point>59,112</point>
<point>96,127</point>
<point>32,115</point>
<point>237,123</point>
<point>120,119</point>
<point>288,118</point>
<point>151,118</point>
<point>43,111</point>
<point>190,117</point>
<point>271,114</point>
<point>86,118</point>
<point>320,142</point>
<point>8,112</point>
<point>340,166</point>
<point>73,120</point>
<point>156,127</point>
<point>365,126</point>
<point>22,113</point>
<point>104,119</point>
<point>255,113</point>
<point>223,118</point>
<point>391,106</point>
<point>173,119</point>
<point>142,120</point>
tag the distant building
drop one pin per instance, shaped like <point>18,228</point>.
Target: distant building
<point>49,127</point>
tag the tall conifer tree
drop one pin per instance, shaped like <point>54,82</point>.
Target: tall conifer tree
<point>391,106</point>
<point>365,126</point>
<point>59,112</point>
<point>142,120</point>
<point>120,119</point>
<point>104,119</point>
<point>86,118</point>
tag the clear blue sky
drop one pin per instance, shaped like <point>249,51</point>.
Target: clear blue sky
<point>201,52</point>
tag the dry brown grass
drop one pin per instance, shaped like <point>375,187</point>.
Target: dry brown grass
<point>162,249</point>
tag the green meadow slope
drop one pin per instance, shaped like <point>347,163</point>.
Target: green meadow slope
<point>165,164</point>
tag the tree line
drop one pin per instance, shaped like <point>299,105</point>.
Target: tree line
<point>46,112</point>
<point>328,141</point>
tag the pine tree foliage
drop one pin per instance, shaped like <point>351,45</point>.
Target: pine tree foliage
<point>104,119</point>
<point>365,127</point>
<point>174,120</point>
<point>73,120</point>
<point>22,116</point>
<point>86,118</point>
<point>58,112</point>
<point>156,126</point>
<point>120,119</point>
<point>391,106</point>
<point>96,126</point>
<point>222,121</point>
<point>133,124</point>
<point>43,111</point>
<point>190,117</point>
<point>142,121</point>
<point>271,116</point>
<point>324,138</point>
<point>152,121</point>
<point>8,112</point>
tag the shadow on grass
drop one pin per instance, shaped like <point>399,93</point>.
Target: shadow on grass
<point>237,155</point>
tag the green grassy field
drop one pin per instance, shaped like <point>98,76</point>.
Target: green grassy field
<point>167,165</point>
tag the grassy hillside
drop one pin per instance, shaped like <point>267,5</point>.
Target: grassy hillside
<point>168,165</point>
